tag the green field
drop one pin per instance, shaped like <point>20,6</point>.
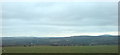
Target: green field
<point>62,49</point>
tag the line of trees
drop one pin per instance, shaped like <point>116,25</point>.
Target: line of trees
<point>71,41</point>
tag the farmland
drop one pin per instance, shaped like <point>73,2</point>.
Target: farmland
<point>62,49</point>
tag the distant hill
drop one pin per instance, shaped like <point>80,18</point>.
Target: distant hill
<point>106,35</point>
<point>61,41</point>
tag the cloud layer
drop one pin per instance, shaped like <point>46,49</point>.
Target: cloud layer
<point>55,18</point>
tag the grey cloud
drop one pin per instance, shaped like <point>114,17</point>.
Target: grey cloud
<point>59,17</point>
<point>68,13</point>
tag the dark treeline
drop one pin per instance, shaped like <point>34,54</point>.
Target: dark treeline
<point>60,41</point>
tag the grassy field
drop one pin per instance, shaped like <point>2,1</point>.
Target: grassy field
<point>62,49</point>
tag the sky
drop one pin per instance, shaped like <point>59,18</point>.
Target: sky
<point>59,19</point>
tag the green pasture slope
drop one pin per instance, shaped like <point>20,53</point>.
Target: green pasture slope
<point>62,49</point>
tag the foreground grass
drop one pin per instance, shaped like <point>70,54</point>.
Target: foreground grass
<point>62,49</point>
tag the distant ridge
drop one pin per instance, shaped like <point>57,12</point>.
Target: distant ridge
<point>61,41</point>
<point>105,35</point>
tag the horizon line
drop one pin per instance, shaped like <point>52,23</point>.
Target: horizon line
<point>63,36</point>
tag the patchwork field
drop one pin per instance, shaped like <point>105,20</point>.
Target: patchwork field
<point>62,49</point>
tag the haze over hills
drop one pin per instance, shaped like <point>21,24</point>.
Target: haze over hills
<point>64,36</point>
<point>61,41</point>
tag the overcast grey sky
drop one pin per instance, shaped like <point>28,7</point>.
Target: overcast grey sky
<point>50,19</point>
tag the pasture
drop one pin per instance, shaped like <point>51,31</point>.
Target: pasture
<point>61,49</point>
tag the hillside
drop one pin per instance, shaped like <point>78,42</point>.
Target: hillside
<point>60,41</point>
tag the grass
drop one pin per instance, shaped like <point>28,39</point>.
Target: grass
<point>62,49</point>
